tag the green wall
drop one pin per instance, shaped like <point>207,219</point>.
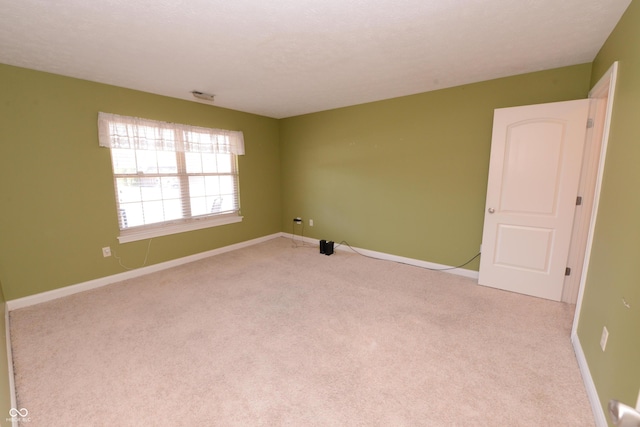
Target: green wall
<point>56,188</point>
<point>407,176</point>
<point>612,273</point>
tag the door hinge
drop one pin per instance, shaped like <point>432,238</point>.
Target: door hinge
<point>579,201</point>
<point>589,123</point>
<point>567,271</point>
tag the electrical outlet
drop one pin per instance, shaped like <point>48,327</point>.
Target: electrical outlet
<point>297,220</point>
<point>638,404</point>
<point>604,338</point>
<point>106,251</point>
<point>310,223</point>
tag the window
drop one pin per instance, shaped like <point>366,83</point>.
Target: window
<point>171,178</point>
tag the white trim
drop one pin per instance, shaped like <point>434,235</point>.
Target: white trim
<point>127,236</point>
<point>12,381</point>
<point>103,281</point>
<point>598,413</point>
<point>586,189</point>
<point>606,84</point>
<point>389,257</point>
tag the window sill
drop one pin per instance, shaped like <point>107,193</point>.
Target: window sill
<point>167,229</point>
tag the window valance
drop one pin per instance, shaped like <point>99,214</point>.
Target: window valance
<point>117,131</point>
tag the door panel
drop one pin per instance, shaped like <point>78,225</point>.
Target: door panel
<point>534,172</point>
<point>522,247</point>
<point>532,149</point>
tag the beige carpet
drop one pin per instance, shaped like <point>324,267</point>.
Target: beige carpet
<point>273,335</point>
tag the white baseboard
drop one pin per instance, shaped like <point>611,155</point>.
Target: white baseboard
<point>589,385</point>
<point>388,257</point>
<point>103,281</point>
<point>12,381</point>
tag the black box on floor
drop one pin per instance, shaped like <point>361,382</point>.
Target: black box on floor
<point>326,247</point>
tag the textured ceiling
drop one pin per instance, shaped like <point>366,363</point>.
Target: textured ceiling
<point>282,58</point>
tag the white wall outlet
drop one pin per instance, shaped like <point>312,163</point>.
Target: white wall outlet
<point>310,223</point>
<point>638,404</point>
<point>106,251</point>
<point>604,338</point>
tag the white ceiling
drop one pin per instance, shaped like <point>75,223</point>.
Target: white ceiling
<point>282,58</point>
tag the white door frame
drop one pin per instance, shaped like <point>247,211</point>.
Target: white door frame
<point>586,192</point>
<point>605,88</point>
<point>605,91</point>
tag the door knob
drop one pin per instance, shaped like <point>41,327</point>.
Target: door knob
<point>623,415</point>
<point>491,210</point>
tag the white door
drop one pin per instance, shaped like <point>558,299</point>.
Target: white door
<point>534,172</point>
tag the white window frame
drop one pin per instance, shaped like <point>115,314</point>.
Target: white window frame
<point>122,132</point>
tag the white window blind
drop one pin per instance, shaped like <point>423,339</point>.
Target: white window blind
<point>171,177</point>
